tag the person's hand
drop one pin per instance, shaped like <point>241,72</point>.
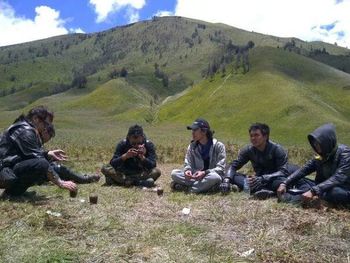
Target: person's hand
<point>57,155</point>
<point>255,183</point>
<point>142,150</point>
<point>69,185</point>
<point>225,186</point>
<point>307,196</point>
<point>281,190</point>
<point>132,152</point>
<point>188,175</point>
<point>198,175</point>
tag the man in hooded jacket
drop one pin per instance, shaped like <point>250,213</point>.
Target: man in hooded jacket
<point>332,167</point>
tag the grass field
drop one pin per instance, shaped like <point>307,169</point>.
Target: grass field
<point>135,225</point>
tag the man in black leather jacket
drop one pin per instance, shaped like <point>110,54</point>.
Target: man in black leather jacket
<point>269,161</point>
<point>332,167</point>
<point>134,161</point>
<point>23,160</point>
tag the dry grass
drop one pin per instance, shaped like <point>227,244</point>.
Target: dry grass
<point>135,225</point>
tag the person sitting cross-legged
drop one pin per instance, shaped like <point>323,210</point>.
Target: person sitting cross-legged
<point>269,161</point>
<point>332,167</point>
<point>204,162</point>
<point>134,161</point>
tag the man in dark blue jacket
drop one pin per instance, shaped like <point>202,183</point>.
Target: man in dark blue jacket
<point>134,161</point>
<point>23,160</point>
<point>332,167</point>
<point>269,161</point>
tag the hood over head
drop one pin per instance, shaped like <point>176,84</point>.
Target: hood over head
<point>325,136</point>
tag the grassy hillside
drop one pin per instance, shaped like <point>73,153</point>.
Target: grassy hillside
<point>167,57</point>
<point>292,93</point>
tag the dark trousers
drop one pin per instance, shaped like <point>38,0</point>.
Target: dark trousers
<point>273,185</point>
<point>126,177</point>
<point>24,175</point>
<point>67,174</point>
<point>337,195</point>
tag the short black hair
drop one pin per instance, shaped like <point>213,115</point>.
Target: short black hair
<point>264,128</point>
<point>135,130</point>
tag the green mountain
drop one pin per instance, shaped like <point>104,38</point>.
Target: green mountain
<point>167,71</point>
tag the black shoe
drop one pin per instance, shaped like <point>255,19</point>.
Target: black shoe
<point>289,198</point>
<point>234,188</point>
<point>92,178</point>
<point>263,194</point>
<point>26,195</point>
<point>109,181</point>
<point>178,187</point>
<point>146,183</point>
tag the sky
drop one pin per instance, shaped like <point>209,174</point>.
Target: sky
<point>310,20</point>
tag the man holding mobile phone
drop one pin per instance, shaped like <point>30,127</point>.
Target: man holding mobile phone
<point>134,161</point>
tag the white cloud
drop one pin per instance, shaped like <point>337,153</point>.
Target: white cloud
<point>103,8</point>
<point>76,30</point>
<point>132,15</point>
<point>275,17</point>
<point>14,29</point>
<point>163,13</point>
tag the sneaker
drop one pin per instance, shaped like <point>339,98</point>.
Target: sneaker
<point>178,187</point>
<point>263,194</point>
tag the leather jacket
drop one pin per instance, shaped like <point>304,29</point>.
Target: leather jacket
<point>270,163</point>
<point>332,166</point>
<point>20,142</point>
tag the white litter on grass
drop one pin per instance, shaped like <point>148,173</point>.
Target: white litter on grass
<point>56,214</point>
<point>186,211</point>
<point>82,200</point>
<point>247,253</point>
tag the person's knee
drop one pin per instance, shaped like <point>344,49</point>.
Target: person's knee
<point>156,173</point>
<point>214,178</point>
<point>175,174</point>
<point>42,166</point>
<point>108,170</point>
<point>336,195</point>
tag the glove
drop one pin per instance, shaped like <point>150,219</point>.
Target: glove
<point>256,183</point>
<point>225,186</point>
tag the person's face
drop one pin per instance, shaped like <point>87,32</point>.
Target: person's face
<point>257,139</point>
<point>317,148</point>
<point>40,124</point>
<point>135,140</point>
<point>45,137</point>
<point>198,134</point>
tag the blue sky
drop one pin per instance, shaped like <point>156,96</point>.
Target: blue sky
<point>27,20</point>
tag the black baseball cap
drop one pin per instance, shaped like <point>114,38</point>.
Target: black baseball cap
<point>135,130</point>
<point>199,123</point>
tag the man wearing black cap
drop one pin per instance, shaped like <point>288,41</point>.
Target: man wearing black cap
<point>204,162</point>
<point>332,167</point>
<point>134,161</point>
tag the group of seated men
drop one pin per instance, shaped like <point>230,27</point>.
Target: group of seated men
<point>24,162</point>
